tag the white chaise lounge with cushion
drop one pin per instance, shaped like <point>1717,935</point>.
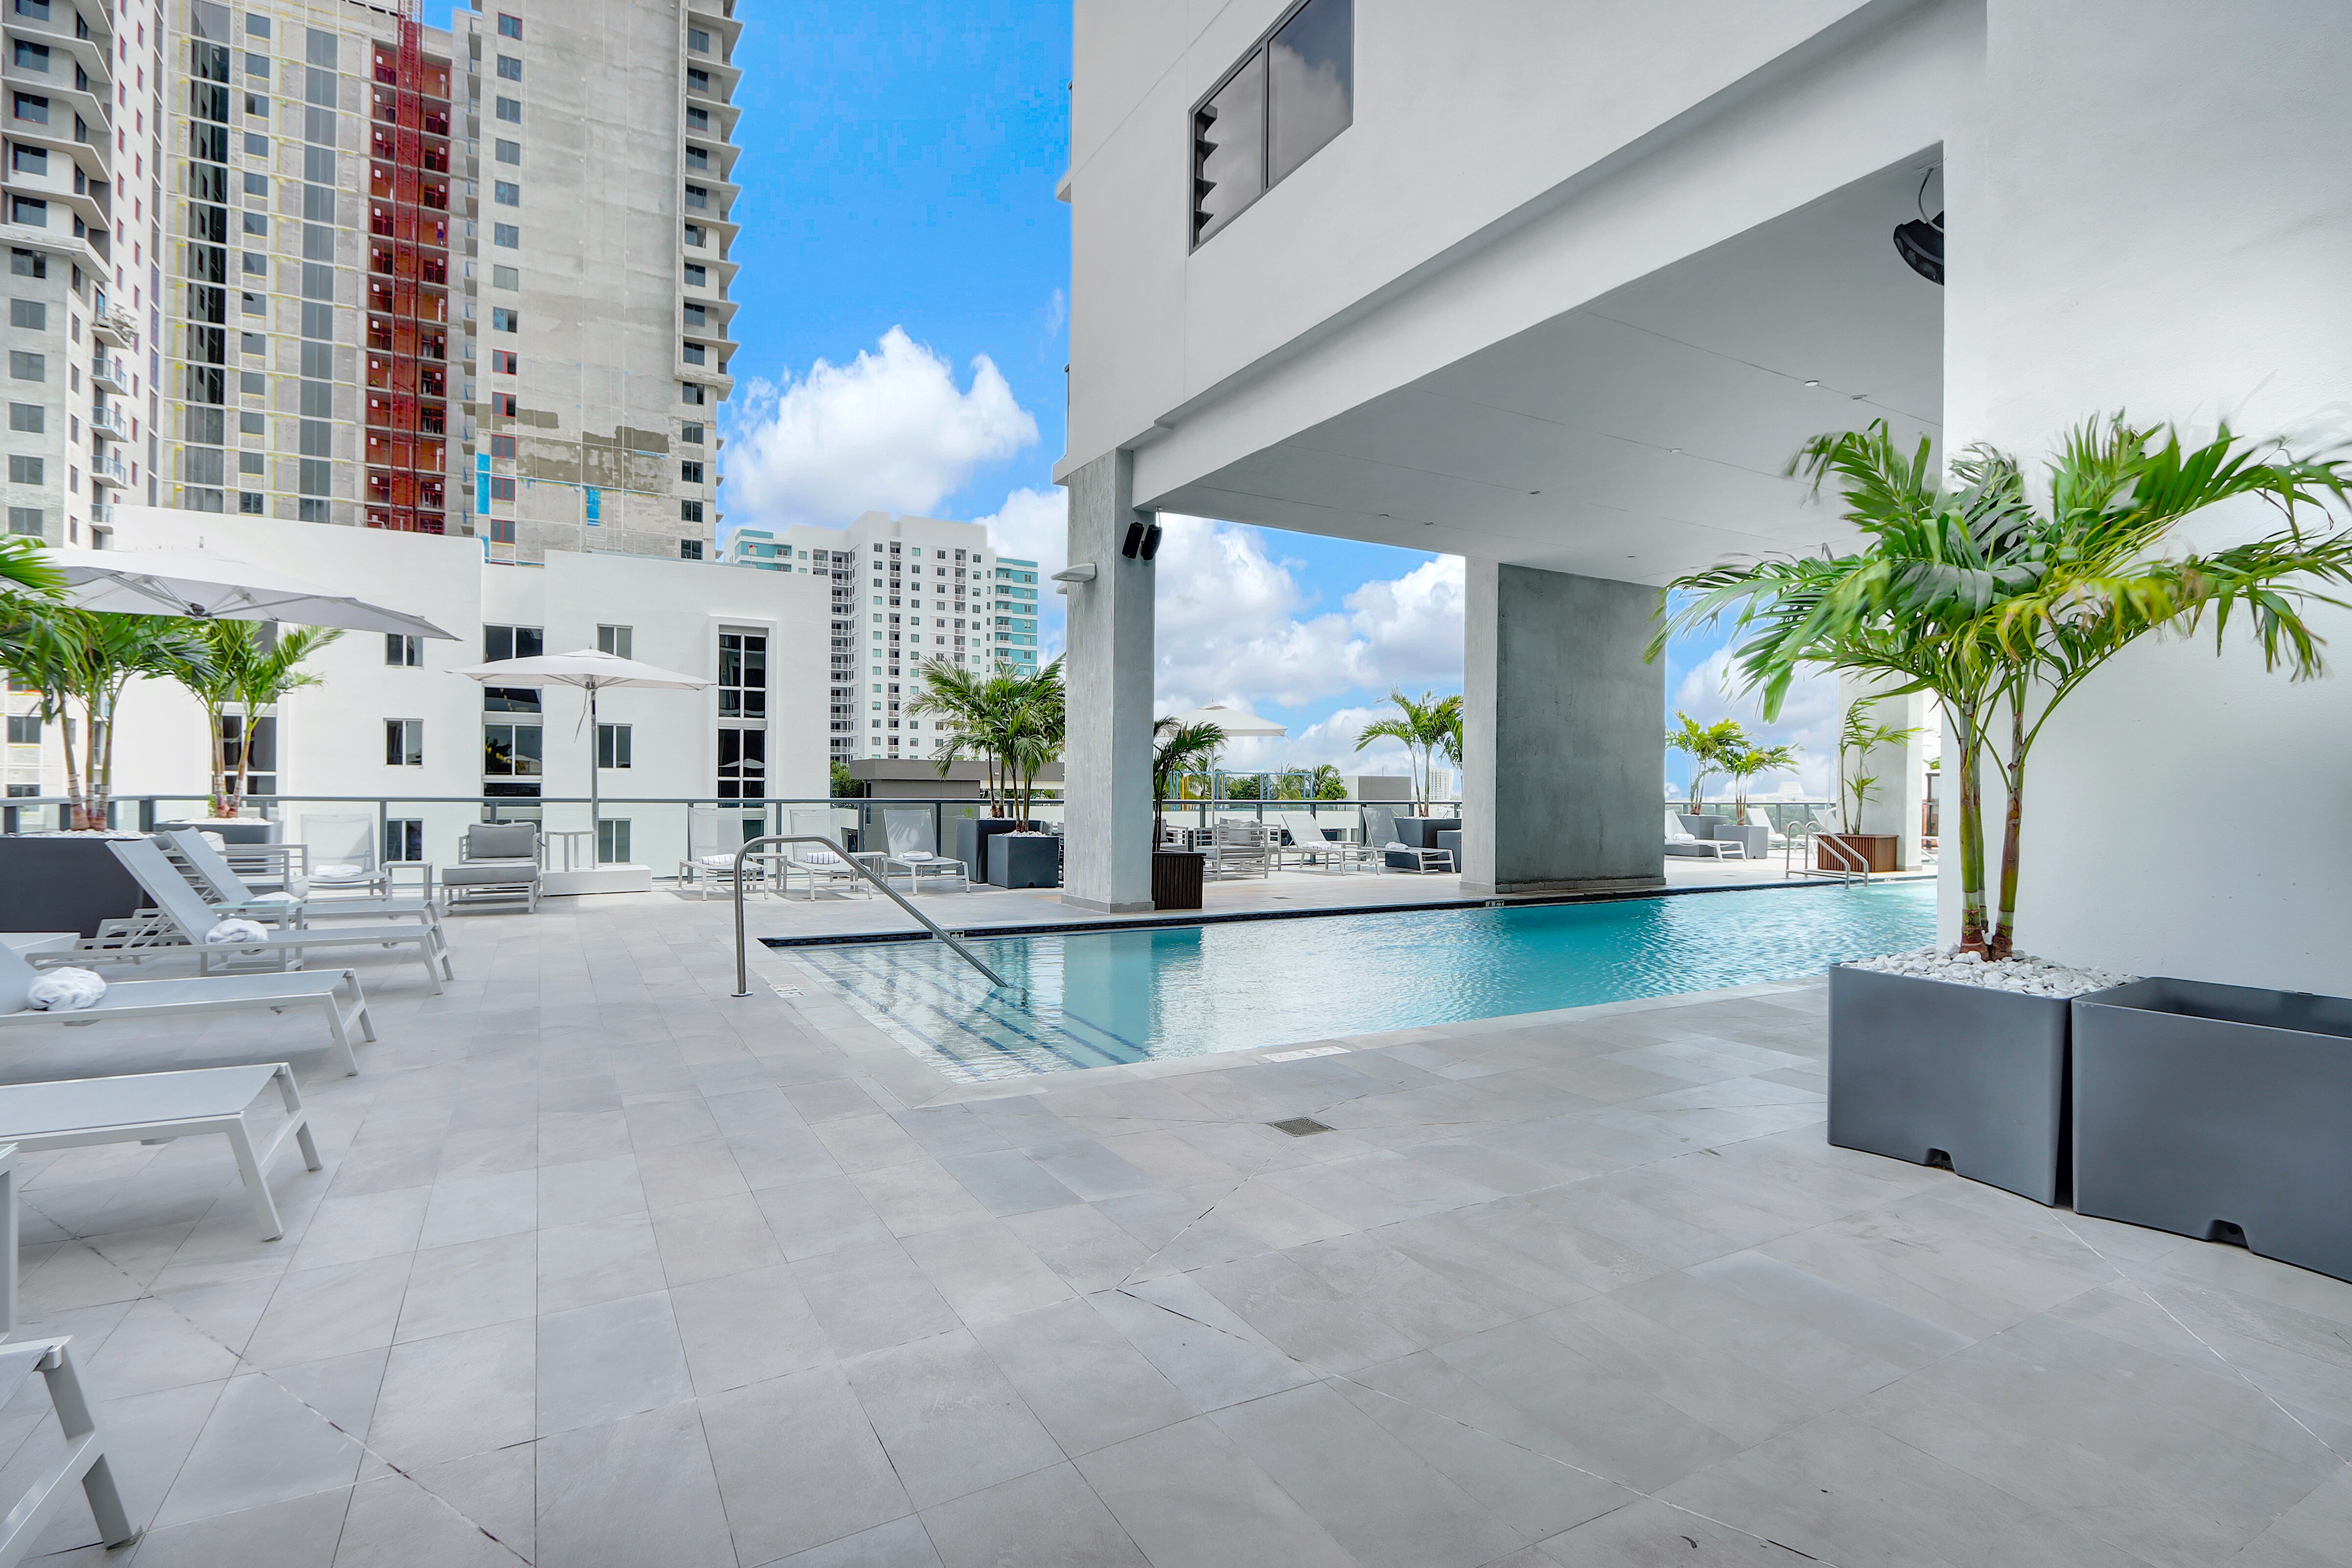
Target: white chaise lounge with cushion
<point>193,919</point>
<point>230,894</point>
<point>320,989</point>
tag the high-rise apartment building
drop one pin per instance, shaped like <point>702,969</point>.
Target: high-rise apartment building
<point>905,590</point>
<point>599,188</point>
<point>82,170</point>
<point>472,281</point>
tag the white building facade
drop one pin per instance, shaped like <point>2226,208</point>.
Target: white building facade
<point>390,729</point>
<point>903,590</point>
<point>1560,289</point>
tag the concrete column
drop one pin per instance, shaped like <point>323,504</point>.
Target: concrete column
<point>1563,733</point>
<point>1106,758</point>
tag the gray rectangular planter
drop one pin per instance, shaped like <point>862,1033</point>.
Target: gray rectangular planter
<point>1920,1068</point>
<point>2200,1107</point>
<point>1024,860</point>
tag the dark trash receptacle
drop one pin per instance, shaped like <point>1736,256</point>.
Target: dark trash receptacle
<point>2200,1107</point>
<point>1176,878</point>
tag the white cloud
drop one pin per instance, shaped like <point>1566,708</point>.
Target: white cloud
<point>1809,719</point>
<point>1032,525</point>
<point>888,431</point>
<point>1234,624</point>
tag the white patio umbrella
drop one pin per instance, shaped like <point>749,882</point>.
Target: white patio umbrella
<point>1236,722</point>
<point>591,671</point>
<point>207,585</point>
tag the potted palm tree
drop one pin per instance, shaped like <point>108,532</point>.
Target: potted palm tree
<point>1741,765</point>
<point>1176,748</point>
<point>1850,849</point>
<point>1007,723</point>
<point>1425,725</point>
<point>250,665</point>
<point>2000,604</point>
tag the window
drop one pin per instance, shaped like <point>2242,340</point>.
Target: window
<point>24,470</point>
<point>694,234</point>
<point>502,489</point>
<point>32,57</point>
<point>262,765</point>
<point>402,651</point>
<point>503,319</point>
<point>255,305</point>
<point>403,743</point>
<point>403,839</point>
<point>256,264</point>
<point>689,473</point>
<point>687,512</point>
<point>510,68</point>
<point>504,362</point>
<point>697,80</point>
<point>690,435</point>
<point>24,729</point>
<point>511,699</point>
<point>256,106</point>
<point>28,210</point>
<point>248,462</point>
<point>512,643</point>
<point>617,641</point>
<point>257,25</point>
<point>510,27</point>
<point>698,120</point>
<point>695,354</point>
<point>1283,103</point>
<point>29,416</point>
<point>26,520</point>
<point>29,160</point>
<point>37,9</point>
<point>697,316</point>
<point>698,196</point>
<point>690,549</point>
<point>33,108</point>
<point>509,151</point>
<point>688,391</point>
<point>252,383</point>
<point>256,145</point>
<point>743,675</point>
<point>506,192</point>
<point>743,764</point>
<point>511,750</point>
<point>251,424</point>
<point>502,446</point>
<point>698,157</point>
<point>507,236</point>
<point>257,66</point>
<point>505,278</point>
<point>502,530</point>
<point>30,313</point>
<point>510,110</point>
<point>502,405</point>
<point>29,264</point>
<point>613,745</point>
<point>613,840</point>
<point>698,40</point>
<point>696,276</point>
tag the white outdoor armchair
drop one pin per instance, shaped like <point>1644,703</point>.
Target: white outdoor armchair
<point>813,861</point>
<point>914,850</point>
<point>341,854</point>
<point>709,862</point>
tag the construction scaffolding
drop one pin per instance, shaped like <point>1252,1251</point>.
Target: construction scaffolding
<point>408,285</point>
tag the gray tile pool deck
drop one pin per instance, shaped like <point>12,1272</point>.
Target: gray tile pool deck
<point>608,1268</point>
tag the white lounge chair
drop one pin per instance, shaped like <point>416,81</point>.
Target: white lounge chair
<point>83,1461</point>
<point>230,894</point>
<point>710,861</point>
<point>341,854</point>
<point>320,989</point>
<point>816,863</point>
<point>192,918</point>
<point>1239,846</point>
<point>1774,839</point>
<point>1681,841</point>
<point>496,861</point>
<point>157,1107</point>
<point>914,849</point>
<point>1309,847</point>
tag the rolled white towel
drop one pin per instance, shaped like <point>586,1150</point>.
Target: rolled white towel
<point>916,857</point>
<point>277,898</point>
<point>819,857</point>
<point>1394,844</point>
<point>299,886</point>
<point>236,933</point>
<point>338,872</point>
<point>719,861</point>
<point>219,845</point>
<point>65,990</point>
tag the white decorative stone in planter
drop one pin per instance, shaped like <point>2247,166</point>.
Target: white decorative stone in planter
<point>2200,1107</point>
<point>1934,1054</point>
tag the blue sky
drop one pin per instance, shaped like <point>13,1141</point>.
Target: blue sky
<point>902,331</point>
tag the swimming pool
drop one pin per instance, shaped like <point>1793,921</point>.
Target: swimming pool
<point>1102,997</point>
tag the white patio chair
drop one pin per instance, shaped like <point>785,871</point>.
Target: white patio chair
<point>341,855</point>
<point>709,862</point>
<point>230,894</point>
<point>320,989</point>
<point>1238,847</point>
<point>1681,841</point>
<point>187,911</point>
<point>914,850</point>
<point>816,863</point>
<point>84,1460</point>
<point>158,1107</point>
<point>496,862</point>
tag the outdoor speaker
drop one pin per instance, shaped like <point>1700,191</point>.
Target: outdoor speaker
<point>1151,541</point>
<point>1920,242</point>
<point>1134,541</point>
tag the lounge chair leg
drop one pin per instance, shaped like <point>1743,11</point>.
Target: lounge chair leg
<point>78,1423</point>
<point>432,971</point>
<point>256,1186</point>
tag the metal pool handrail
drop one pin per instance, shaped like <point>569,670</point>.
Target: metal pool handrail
<point>742,966</point>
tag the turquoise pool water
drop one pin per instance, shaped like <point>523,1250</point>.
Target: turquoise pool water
<point>1102,997</point>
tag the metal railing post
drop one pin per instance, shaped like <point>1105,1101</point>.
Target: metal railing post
<point>742,961</point>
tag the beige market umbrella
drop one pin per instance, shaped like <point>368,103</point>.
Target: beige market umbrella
<point>591,671</point>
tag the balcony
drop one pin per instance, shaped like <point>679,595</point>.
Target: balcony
<point>110,374</point>
<point>116,328</point>
<point>108,469</point>
<point>110,422</point>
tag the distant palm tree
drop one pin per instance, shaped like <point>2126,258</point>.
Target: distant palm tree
<point>1707,745</point>
<point>1747,762</point>
<point>1178,747</point>
<point>246,663</point>
<point>1014,724</point>
<point>1429,725</point>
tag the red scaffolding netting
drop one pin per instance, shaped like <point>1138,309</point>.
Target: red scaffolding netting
<point>408,285</point>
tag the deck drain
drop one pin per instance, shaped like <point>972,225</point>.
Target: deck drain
<point>1300,1126</point>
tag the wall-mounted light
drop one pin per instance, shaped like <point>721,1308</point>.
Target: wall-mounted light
<point>1082,573</point>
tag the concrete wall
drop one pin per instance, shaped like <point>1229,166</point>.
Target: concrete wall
<point>1561,733</point>
<point>2151,210</point>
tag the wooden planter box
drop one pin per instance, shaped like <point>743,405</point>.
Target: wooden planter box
<point>1876,851</point>
<point>1176,878</point>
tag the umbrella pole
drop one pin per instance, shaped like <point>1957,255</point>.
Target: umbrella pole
<point>595,805</point>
